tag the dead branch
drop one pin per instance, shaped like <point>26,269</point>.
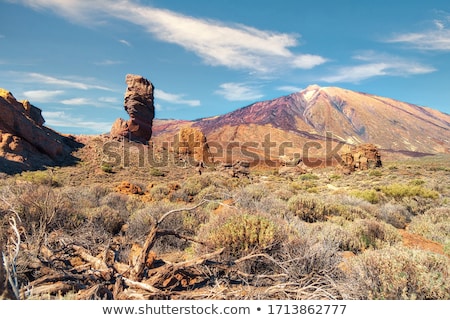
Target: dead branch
<point>138,268</point>
<point>171,269</point>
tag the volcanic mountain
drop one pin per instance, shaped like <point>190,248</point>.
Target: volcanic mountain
<point>316,116</point>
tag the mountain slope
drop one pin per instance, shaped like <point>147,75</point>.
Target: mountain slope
<point>317,121</point>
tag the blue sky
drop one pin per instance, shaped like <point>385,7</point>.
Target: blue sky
<point>205,58</point>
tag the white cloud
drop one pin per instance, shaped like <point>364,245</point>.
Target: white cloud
<point>125,42</point>
<point>108,62</point>
<point>377,64</point>
<point>77,101</point>
<point>61,119</point>
<point>112,100</point>
<point>433,39</point>
<point>235,46</point>
<point>175,98</point>
<point>42,95</point>
<point>289,88</point>
<point>45,79</point>
<point>233,91</point>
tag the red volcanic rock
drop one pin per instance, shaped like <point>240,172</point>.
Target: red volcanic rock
<point>139,106</point>
<point>24,142</point>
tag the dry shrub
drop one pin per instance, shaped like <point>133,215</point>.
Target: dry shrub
<point>394,214</point>
<point>241,233</point>
<point>358,235</point>
<point>312,208</point>
<point>434,224</point>
<point>107,218</point>
<point>399,273</point>
<point>370,233</point>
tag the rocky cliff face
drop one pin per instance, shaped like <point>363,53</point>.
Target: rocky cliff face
<point>139,106</point>
<point>25,143</point>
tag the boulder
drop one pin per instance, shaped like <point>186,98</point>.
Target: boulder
<point>139,104</point>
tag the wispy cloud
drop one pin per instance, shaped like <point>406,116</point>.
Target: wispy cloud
<point>234,91</point>
<point>77,101</point>
<point>235,46</point>
<point>61,119</point>
<point>289,88</point>
<point>377,64</point>
<point>125,42</point>
<point>175,98</point>
<point>436,38</point>
<point>41,79</point>
<point>108,62</point>
<point>42,95</point>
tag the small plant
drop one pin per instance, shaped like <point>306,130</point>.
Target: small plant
<point>107,168</point>
<point>375,173</point>
<point>241,233</point>
<point>371,195</point>
<point>155,172</point>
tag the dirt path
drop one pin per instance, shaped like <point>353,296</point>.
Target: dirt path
<point>418,242</point>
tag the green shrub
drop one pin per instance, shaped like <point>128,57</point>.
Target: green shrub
<point>371,195</point>
<point>241,233</point>
<point>399,191</point>
<point>155,172</point>
<point>107,168</point>
<point>308,208</point>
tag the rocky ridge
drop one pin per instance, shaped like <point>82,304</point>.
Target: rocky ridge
<point>25,143</point>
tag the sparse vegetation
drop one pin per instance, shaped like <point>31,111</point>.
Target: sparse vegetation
<point>320,235</point>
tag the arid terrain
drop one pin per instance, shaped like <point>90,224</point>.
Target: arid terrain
<point>187,216</point>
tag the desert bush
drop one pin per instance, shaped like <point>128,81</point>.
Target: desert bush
<point>399,191</point>
<point>370,195</point>
<point>434,224</point>
<point>107,218</point>
<point>370,233</point>
<point>356,236</point>
<point>394,214</point>
<point>375,173</point>
<point>249,196</point>
<point>241,233</point>
<point>311,208</point>
<point>308,208</point>
<point>39,177</point>
<point>395,273</point>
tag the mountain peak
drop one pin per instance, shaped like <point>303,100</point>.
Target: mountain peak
<point>312,87</point>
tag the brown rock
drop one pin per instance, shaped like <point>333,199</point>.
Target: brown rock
<point>362,157</point>
<point>24,142</point>
<point>138,103</point>
<point>192,142</point>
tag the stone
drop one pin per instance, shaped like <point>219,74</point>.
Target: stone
<point>139,104</point>
<point>362,157</point>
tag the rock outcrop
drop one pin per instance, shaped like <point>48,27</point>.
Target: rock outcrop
<point>138,103</point>
<point>25,143</point>
<point>192,142</point>
<point>361,157</point>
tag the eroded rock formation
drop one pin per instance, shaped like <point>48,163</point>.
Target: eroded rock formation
<point>192,142</point>
<point>361,157</point>
<point>138,103</point>
<point>25,143</point>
